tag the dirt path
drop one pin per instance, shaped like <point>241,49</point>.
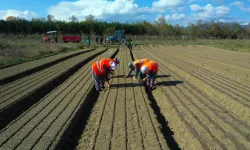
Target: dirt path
<point>122,117</point>
<point>199,111</point>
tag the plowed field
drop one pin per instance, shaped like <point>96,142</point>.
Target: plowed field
<point>202,101</point>
<point>204,97</point>
<point>122,117</point>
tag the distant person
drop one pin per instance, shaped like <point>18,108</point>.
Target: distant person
<point>135,66</point>
<point>149,69</point>
<point>97,39</point>
<point>88,41</point>
<point>130,44</point>
<point>101,40</point>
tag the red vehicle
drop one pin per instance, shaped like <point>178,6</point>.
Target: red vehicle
<point>52,36</point>
<point>71,38</point>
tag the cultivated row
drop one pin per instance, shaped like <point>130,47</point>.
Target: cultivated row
<point>198,105</point>
<point>43,124</point>
<point>17,95</point>
<point>12,73</point>
<point>123,117</point>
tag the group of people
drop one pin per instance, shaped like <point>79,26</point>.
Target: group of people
<point>145,71</point>
<point>99,40</point>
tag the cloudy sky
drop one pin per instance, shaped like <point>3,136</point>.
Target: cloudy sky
<point>180,12</point>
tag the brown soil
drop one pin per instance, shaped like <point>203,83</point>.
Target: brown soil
<point>204,108</point>
<point>122,118</point>
<point>202,101</point>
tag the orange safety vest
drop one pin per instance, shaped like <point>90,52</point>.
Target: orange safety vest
<point>152,66</point>
<point>107,62</point>
<point>140,62</point>
<point>111,60</point>
<point>98,67</point>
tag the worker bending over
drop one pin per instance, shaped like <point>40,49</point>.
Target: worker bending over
<point>101,70</point>
<point>135,66</point>
<point>150,69</point>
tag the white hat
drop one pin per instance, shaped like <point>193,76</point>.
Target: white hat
<point>113,65</point>
<point>144,69</point>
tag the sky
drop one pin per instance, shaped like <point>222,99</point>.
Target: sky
<point>182,12</point>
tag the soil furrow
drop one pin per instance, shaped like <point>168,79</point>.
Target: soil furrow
<point>202,54</point>
<point>13,73</point>
<point>20,105</point>
<point>45,74</point>
<point>229,128</point>
<point>119,134</point>
<point>226,100</point>
<point>177,119</point>
<point>46,106</point>
<point>110,130</point>
<point>22,82</point>
<point>76,123</point>
<point>177,99</point>
<point>91,132</point>
<point>217,74</point>
<point>53,116</point>
<point>216,78</point>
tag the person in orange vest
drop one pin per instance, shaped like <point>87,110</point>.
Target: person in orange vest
<point>100,72</point>
<point>149,68</point>
<point>135,66</point>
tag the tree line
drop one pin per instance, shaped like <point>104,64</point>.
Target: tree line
<point>200,29</point>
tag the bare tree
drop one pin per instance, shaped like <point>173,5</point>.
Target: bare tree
<point>50,18</point>
<point>90,18</point>
<point>161,20</point>
<point>73,18</point>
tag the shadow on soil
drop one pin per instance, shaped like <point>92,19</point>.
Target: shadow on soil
<point>169,83</point>
<point>69,139</point>
<point>165,83</point>
<point>125,85</point>
<point>71,136</point>
<point>130,76</point>
<point>166,131</point>
<point>162,76</point>
<point>119,76</point>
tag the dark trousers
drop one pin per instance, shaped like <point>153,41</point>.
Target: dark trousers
<point>151,80</point>
<point>98,82</point>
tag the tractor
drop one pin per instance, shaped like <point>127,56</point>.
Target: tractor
<point>118,37</point>
<point>50,37</point>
